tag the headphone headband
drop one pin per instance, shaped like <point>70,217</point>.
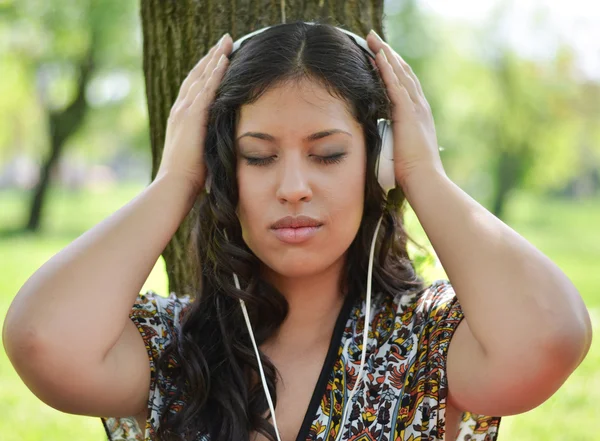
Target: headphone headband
<point>384,167</point>
<point>357,39</point>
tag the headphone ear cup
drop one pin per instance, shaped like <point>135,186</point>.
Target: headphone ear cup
<point>384,167</point>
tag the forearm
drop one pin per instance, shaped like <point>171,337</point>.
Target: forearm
<point>511,294</point>
<point>85,292</point>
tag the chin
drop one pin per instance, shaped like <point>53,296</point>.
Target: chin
<point>298,263</point>
<point>297,271</point>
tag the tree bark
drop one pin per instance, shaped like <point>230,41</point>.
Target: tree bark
<point>177,33</point>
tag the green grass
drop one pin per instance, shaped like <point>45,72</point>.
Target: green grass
<point>567,232</point>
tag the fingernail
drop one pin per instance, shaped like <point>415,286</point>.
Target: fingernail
<point>223,38</point>
<point>381,51</point>
<point>376,34</point>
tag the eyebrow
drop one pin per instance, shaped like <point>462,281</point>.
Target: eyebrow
<point>312,137</point>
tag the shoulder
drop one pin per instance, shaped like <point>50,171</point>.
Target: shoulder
<point>152,304</point>
<point>157,314</point>
<point>433,317</point>
<point>157,319</point>
<point>436,316</point>
<point>433,306</point>
<point>439,306</point>
<point>421,326</point>
<point>409,314</point>
<point>436,299</point>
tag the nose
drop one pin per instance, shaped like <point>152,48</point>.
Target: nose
<point>294,185</point>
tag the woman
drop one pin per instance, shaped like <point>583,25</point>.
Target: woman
<point>289,127</point>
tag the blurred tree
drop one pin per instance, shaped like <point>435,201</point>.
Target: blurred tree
<point>507,122</point>
<point>587,142</point>
<point>62,124</point>
<point>535,127</point>
<point>177,34</point>
<point>61,64</point>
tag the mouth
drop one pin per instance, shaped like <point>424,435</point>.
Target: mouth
<point>298,222</point>
<point>296,229</point>
<point>295,235</point>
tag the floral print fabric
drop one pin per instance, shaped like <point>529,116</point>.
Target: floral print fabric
<point>157,318</point>
<point>403,393</point>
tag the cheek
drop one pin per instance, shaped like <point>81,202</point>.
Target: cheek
<point>252,203</point>
<point>345,205</point>
<point>347,191</point>
<point>244,208</point>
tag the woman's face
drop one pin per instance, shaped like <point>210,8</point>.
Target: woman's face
<point>282,171</point>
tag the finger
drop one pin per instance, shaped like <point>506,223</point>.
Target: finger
<point>200,84</point>
<point>196,71</point>
<point>215,51</point>
<point>410,72</point>
<point>376,43</point>
<point>402,75</point>
<point>207,95</point>
<point>398,94</point>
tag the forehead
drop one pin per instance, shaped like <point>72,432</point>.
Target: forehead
<point>296,106</point>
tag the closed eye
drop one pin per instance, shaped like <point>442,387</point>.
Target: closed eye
<point>332,159</point>
<point>258,161</point>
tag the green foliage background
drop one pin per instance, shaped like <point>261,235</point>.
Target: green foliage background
<point>504,121</point>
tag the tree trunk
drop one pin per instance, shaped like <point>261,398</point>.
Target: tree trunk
<point>62,124</point>
<point>178,33</point>
<point>41,187</point>
<point>506,177</point>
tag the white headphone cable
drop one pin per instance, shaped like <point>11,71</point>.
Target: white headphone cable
<point>262,372</point>
<point>364,342</point>
<point>260,367</point>
<point>365,333</point>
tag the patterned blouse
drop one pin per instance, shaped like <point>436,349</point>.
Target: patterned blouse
<point>404,389</point>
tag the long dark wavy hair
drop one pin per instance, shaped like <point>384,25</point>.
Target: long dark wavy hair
<point>211,361</point>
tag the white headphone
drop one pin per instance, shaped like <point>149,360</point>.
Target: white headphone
<point>384,170</point>
<point>384,165</point>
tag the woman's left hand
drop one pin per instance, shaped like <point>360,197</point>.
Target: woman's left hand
<point>415,141</point>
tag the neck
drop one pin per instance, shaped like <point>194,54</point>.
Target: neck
<point>314,303</point>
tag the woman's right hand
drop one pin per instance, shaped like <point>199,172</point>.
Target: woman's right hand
<point>183,154</point>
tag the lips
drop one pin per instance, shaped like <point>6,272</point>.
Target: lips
<point>296,222</point>
<point>296,229</point>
